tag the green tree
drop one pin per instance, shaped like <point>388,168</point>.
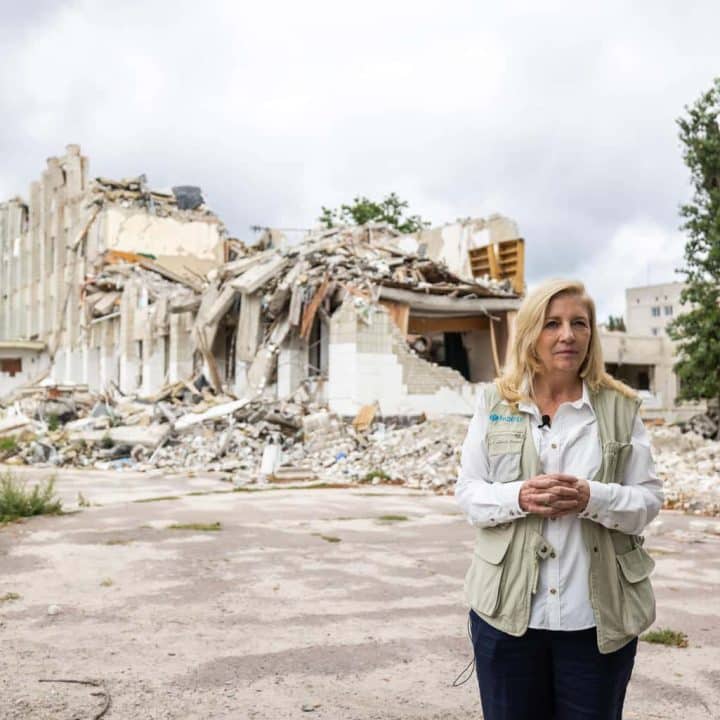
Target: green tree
<point>616,323</point>
<point>390,210</point>
<point>697,328</point>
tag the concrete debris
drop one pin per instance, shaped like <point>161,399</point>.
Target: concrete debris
<point>256,440</point>
<point>706,424</point>
<point>183,201</point>
<point>249,440</point>
<point>689,466</point>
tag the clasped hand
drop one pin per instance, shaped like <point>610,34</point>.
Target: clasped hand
<point>554,495</point>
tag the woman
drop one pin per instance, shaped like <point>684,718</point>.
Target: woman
<point>558,480</point>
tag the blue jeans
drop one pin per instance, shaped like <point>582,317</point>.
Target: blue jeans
<point>549,674</point>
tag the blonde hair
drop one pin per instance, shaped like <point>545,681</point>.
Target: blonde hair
<point>516,382</point>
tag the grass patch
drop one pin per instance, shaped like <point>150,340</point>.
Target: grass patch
<point>666,636</point>
<point>9,597</point>
<point>117,542</point>
<point>17,501</point>
<point>327,538</point>
<point>201,527</point>
<point>106,582</point>
<point>158,499</point>
<point>8,445</point>
<point>392,518</point>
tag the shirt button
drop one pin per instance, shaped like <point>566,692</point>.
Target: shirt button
<point>553,591</point>
<point>552,554</point>
<point>616,525</point>
<point>594,517</point>
<point>554,446</point>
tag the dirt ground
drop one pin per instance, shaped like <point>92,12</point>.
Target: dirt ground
<point>313,603</point>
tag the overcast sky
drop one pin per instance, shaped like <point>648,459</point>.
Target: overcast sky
<point>558,114</point>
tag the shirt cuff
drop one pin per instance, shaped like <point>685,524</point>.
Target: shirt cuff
<point>508,496</point>
<point>599,502</point>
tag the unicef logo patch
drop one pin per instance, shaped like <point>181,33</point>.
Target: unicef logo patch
<point>494,417</point>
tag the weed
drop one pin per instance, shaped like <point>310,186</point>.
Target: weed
<point>9,597</point>
<point>17,501</point>
<point>327,538</point>
<point>82,501</point>
<point>666,636</point>
<point>106,582</point>
<point>106,442</point>
<point>392,518</point>
<point>117,541</point>
<point>202,527</point>
<point>53,422</point>
<point>158,499</point>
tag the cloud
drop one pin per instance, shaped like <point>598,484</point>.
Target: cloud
<point>638,253</point>
<point>559,114</point>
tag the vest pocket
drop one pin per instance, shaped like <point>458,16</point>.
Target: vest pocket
<point>482,582</point>
<point>504,453</point>
<point>638,601</point>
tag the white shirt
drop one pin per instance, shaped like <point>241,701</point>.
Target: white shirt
<point>571,446</point>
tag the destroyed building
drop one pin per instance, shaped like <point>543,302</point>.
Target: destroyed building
<point>52,247</point>
<point>112,283</point>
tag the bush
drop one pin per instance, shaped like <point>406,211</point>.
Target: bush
<point>16,500</point>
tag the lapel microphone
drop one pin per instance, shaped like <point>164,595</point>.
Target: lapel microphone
<point>545,422</point>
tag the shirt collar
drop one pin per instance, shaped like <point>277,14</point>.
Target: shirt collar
<point>532,408</point>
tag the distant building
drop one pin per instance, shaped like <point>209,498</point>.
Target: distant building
<point>649,309</point>
<point>643,356</point>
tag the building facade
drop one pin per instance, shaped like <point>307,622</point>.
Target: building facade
<point>643,356</point>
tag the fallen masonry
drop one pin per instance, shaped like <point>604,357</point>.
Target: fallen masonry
<point>251,442</point>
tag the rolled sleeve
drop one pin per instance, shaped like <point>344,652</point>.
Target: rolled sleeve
<point>484,503</point>
<point>629,506</point>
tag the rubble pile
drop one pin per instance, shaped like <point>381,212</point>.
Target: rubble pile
<point>283,291</point>
<point>185,202</point>
<point>186,427</point>
<point>689,466</point>
<point>249,440</point>
<point>102,292</point>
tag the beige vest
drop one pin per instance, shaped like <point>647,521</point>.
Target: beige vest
<point>503,576</point>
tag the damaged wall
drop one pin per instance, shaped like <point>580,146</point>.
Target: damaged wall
<point>135,230</point>
<point>370,361</point>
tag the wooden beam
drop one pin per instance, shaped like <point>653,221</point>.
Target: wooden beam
<point>419,325</point>
<point>311,309</point>
<point>493,345</point>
